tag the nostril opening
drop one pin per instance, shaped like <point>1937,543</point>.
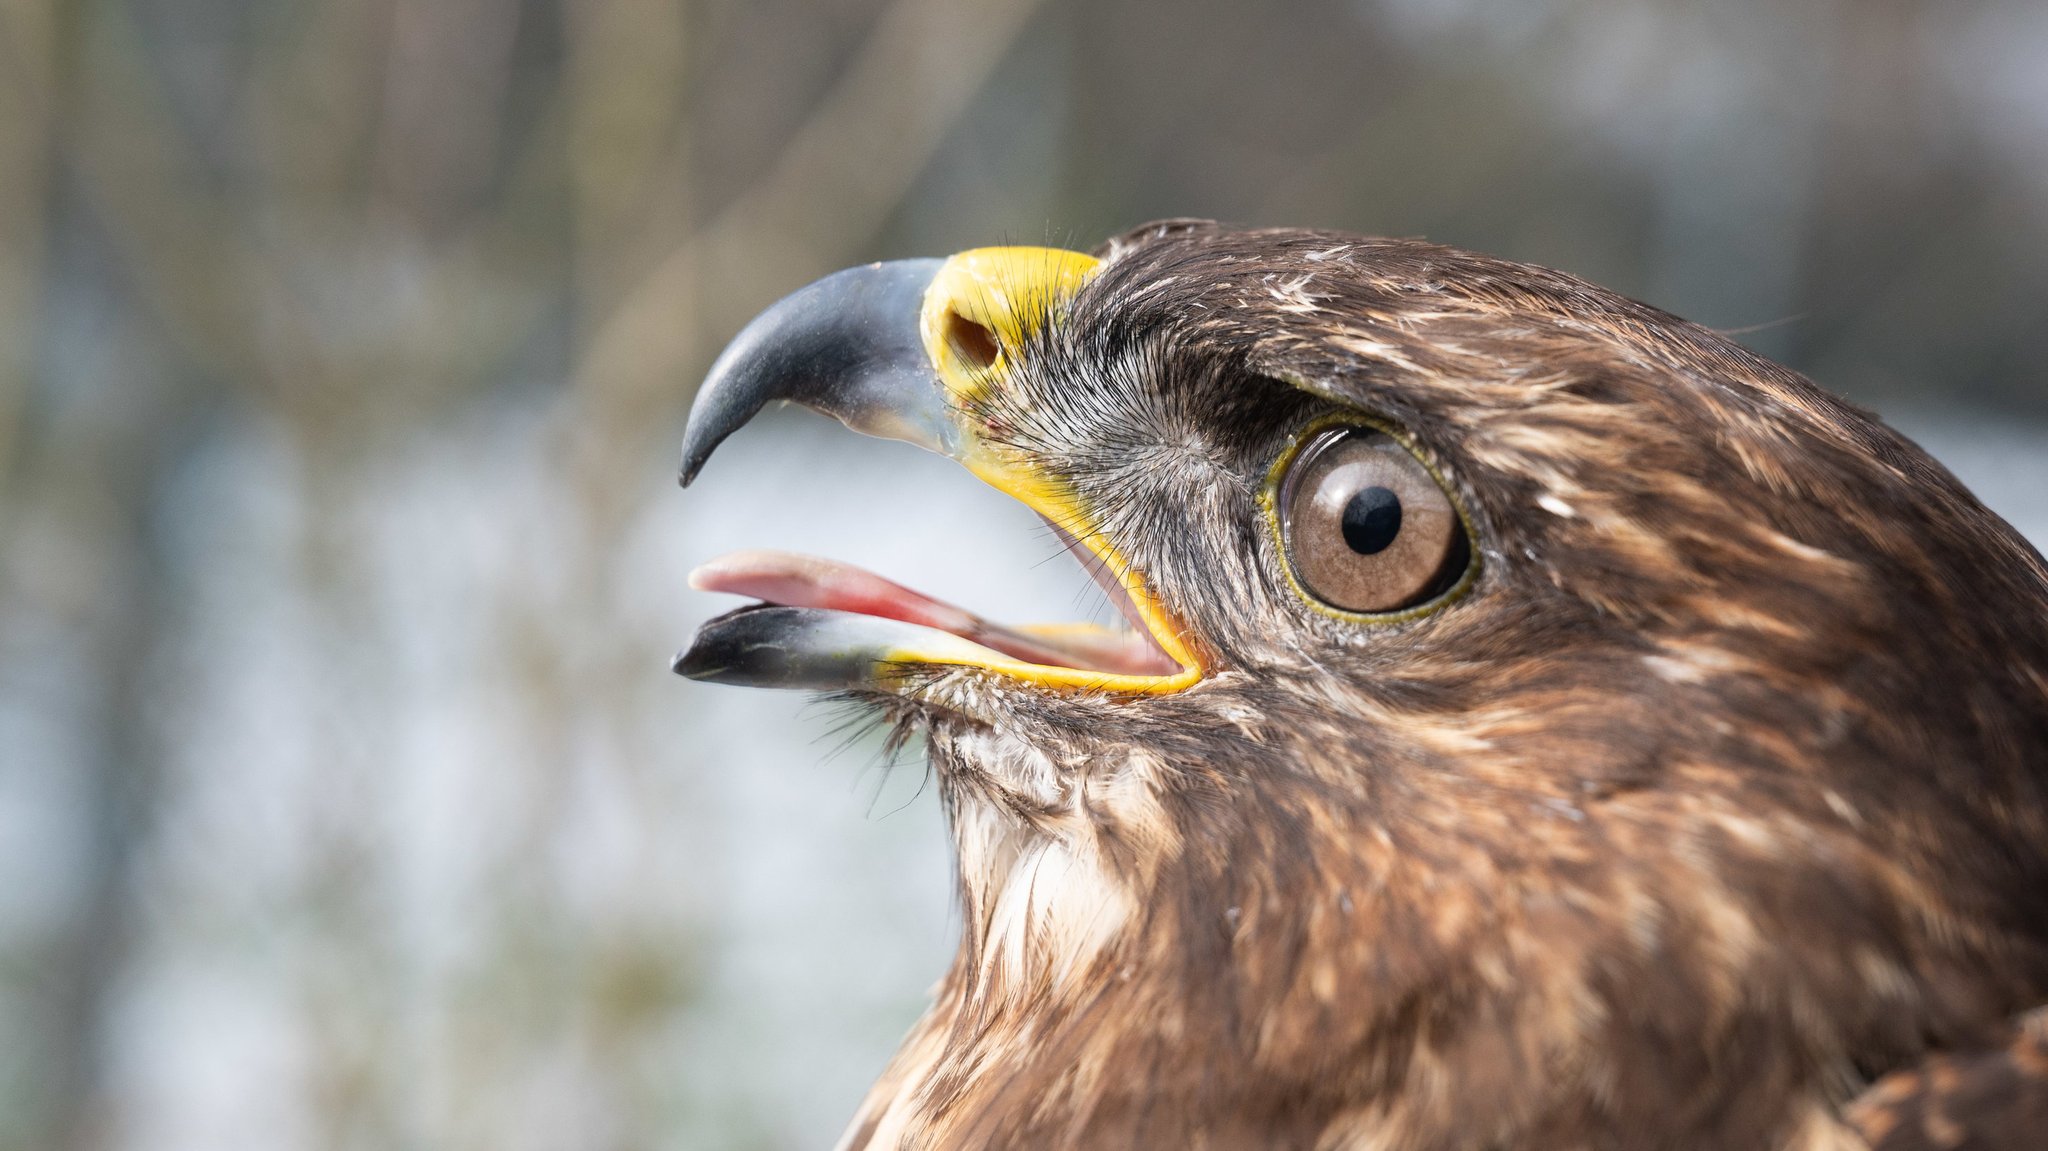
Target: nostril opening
<point>973,343</point>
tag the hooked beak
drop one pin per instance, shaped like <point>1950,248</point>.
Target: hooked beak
<point>903,350</point>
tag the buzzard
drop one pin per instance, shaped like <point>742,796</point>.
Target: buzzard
<point>1542,723</point>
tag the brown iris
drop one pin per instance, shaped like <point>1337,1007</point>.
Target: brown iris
<point>1365,525</point>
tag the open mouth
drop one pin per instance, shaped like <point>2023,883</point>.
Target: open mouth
<point>788,580</point>
<point>1077,654</point>
<point>901,351</point>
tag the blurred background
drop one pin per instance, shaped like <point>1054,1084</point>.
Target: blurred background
<point>345,798</point>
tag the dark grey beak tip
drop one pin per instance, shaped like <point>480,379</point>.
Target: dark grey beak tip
<point>695,449</point>
<point>718,646</point>
<point>810,649</point>
<point>689,663</point>
<point>848,346</point>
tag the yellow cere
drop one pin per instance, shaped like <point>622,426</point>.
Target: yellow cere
<point>1006,293</point>
<point>981,307</point>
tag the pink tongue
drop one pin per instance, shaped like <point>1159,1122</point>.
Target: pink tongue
<point>807,581</point>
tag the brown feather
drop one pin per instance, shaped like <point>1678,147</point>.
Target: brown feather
<point>1719,797</point>
<point>1990,1099</point>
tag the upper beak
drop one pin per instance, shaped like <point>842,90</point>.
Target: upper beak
<point>902,350</point>
<point>847,346</point>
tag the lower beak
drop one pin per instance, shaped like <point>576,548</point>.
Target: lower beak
<point>903,351</point>
<point>818,649</point>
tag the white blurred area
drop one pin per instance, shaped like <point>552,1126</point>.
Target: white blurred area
<point>346,801</point>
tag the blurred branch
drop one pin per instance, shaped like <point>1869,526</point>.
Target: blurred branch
<point>834,184</point>
<point>316,292</point>
<point>445,78</point>
<point>196,269</point>
<point>28,78</point>
<point>625,95</point>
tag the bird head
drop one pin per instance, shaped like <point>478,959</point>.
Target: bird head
<point>1515,673</point>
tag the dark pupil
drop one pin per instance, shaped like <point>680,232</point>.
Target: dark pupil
<point>1371,520</point>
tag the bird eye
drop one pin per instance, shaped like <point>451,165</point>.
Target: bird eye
<point>1365,526</point>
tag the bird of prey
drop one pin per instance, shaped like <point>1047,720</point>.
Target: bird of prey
<point>1543,724</point>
